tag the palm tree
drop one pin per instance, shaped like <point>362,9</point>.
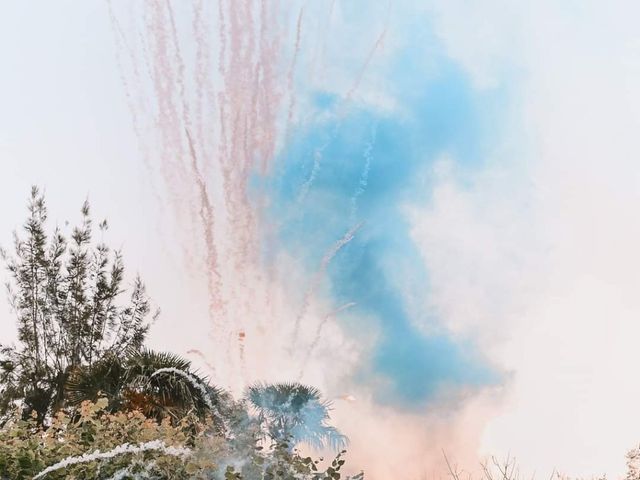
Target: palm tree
<point>296,413</point>
<point>159,384</point>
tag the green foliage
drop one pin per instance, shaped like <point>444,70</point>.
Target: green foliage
<point>26,448</point>
<point>65,293</point>
<point>279,462</point>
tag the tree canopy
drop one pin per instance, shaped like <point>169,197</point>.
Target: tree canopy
<point>71,306</point>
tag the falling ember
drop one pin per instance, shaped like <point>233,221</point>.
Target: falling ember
<point>347,398</point>
<point>243,364</point>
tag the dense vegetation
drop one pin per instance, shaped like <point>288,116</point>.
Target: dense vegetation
<point>81,397</point>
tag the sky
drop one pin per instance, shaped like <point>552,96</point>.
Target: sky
<point>425,208</point>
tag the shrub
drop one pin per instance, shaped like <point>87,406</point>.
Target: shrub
<point>96,444</point>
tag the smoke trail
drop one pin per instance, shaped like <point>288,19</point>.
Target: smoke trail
<point>292,96</point>
<point>125,448</point>
<point>133,86</point>
<point>121,43</point>
<point>342,111</point>
<point>364,177</point>
<point>203,357</point>
<point>134,103</point>
<point>216,304</point>
<point>320,44</point>
<point>378,43</point>
<point>247,114</point>
<point>169,112</point>
<point>192,380</point>
<point>326,260</point>
<point>204,91</point>
<point>315,169</point>
<point>127,472</point>
<point>317,335</point>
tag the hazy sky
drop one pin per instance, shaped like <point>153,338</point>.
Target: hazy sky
<point>447,229</point>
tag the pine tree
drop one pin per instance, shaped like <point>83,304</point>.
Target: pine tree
<point>67,297</point>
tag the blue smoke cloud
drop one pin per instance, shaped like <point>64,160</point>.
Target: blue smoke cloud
<point>361,164</point>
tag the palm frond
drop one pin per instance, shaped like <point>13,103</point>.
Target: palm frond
<point>293,411</point>
<point>129,382</point>
<point>106,377</point>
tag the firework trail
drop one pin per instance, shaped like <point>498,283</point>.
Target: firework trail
<point>167,104</point>
<point>121,43</point>
<point>364,177</point>
<point>318,335</point>
<point>324,264</point>
<point>248,108</point>
<point>203,357</point>
<point>204,206</point>
<point>342,110</point>
<point>207,217</point>
<point>204,91</point>
<point>320,44</point>
<point>132,81</point>
<point>315,169</point>
<point>202,388</point>
<point>292,97</point>
<point>124,449</point>
<point>356,84</point>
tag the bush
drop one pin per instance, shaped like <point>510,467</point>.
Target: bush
<point>26,448</point>
<point>92,443</point>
